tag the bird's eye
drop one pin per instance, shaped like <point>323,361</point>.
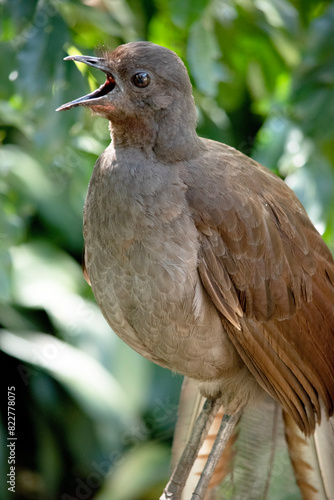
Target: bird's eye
<point>141,80</point>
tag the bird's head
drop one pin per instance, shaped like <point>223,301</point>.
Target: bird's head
<point>147,90</point>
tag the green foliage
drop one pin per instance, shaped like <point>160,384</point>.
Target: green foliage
<point>263,82</point>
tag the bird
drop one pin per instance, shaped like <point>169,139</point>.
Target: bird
<point>201,259</point>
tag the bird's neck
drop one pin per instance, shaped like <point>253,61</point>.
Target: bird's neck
<point>132,132</point>
<point>171,135</point>
<point>177,139</point>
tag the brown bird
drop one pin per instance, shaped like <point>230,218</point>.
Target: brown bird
<point>201,259</point>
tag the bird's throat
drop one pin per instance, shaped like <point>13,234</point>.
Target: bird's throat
<point>133,132</point>
<point>169,134</point>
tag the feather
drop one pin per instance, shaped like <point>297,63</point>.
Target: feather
<point>256,459</point>
<point>188,409</point>
<point>312,459</point>
<point>270,275</point>
<point>324,448</point>
<point>266,449</point>
<point>261,461</point>
<point>223,467</point>
<point>190,405</point>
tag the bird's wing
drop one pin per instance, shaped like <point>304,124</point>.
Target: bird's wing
<point>270,275</point>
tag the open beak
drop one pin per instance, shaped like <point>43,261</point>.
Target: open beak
<point>97,96</point>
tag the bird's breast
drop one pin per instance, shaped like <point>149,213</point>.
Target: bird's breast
<point>141,250</point>
<point>140,243</point>
<point>138,224</point>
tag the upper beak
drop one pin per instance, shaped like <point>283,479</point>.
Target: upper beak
<point>93,97</point>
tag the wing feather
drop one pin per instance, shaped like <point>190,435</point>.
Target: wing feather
<point>270,275</point>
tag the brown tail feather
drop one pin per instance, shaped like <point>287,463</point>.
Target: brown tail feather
<point>256,460</point>
<point>224,465</point>
<point>312,458</point>
<point>324,447</point>
<point>191,403</point>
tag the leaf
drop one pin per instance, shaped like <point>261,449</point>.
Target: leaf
<point>34,183</point>
<point>313,85</point>
<point>88,382</point>
<point>146,465</point>
<point>40,53</point>
<point>203,54</point>
<point>187,12</point>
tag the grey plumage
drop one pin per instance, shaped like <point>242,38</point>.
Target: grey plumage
<point>201,259</point>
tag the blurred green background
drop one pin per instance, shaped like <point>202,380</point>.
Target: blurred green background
<point>94,419</point>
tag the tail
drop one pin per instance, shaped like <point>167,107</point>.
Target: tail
<point>191,403</point>
<point>312,458</point>
<point>267,457</point>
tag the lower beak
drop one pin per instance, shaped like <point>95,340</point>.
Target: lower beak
<point>96,96</point>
